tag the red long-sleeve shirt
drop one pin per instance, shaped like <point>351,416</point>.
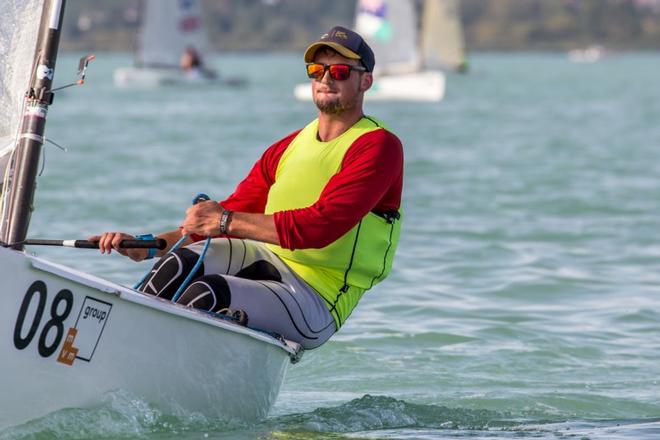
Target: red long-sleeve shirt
<point>370,179</point>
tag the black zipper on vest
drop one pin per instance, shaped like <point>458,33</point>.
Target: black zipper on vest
<point>387,251</point>
<point>345,287</point>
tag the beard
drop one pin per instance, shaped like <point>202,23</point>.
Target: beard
<point>334,106</point>
<point>330,107</point>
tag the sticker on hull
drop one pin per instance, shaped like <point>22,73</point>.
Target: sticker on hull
<point>87,332</point>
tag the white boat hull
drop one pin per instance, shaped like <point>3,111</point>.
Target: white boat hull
<point>135,77</point>
<point>182,360</point>
<point>428,86</point>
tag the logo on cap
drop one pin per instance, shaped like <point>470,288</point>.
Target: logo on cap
<point>341,34</point>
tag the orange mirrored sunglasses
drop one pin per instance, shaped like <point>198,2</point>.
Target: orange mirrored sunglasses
<point>338,72</point>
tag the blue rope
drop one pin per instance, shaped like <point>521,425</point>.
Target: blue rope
<point>175,247</point>
<point>198,263</point>
<point>198,198</point>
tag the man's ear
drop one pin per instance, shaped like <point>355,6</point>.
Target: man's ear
<point>366,80</point>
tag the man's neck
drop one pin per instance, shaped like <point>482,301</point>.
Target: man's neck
<point>333,126</point>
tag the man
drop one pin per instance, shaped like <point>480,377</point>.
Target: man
<point>314,224</point>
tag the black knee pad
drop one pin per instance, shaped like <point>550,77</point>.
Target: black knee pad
<point>209,292</point>
<point>170,271</point>
<point>260,270</point>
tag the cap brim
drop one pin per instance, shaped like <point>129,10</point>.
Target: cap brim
<point>311,50</point>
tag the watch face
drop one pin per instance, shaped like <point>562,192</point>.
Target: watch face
<point>224,218</point>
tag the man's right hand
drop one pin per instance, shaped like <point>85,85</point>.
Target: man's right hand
<point>110,240</point>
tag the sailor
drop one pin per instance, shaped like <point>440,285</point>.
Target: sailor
<point>313,226</point>
<point>191,64</point>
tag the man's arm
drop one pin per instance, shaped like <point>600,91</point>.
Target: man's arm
<point>251,193</point>
<point>111,240</point>
<point>250,196</point>
<point>203,219</point>
<point>370,179</point>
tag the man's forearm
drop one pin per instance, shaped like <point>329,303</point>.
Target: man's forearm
<point>259,227</point>
<point>171,237</point>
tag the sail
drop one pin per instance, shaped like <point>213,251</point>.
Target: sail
<point>389,27</point>
<point>168,27</point>
<point>19,27</point>
<point>442,39</point>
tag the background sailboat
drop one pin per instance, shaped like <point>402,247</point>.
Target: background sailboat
<point>409,57</point>
<point>69,338</point>
<point>390,28</point>
<point>442,37</point>
<point>168,28</point>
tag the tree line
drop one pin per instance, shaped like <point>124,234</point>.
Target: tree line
<point>291,24</point>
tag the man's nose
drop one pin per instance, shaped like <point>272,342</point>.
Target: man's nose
<point>326,78</point>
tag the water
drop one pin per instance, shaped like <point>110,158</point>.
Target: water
<point>525,297</point>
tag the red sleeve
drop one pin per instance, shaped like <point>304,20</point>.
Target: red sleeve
<point>371,178</point>
<point>251,194</point>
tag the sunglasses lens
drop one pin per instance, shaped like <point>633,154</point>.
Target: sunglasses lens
<point>340,72</point>
<point>315,71</point>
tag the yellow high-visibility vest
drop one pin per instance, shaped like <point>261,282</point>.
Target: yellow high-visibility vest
<point>342,271</point>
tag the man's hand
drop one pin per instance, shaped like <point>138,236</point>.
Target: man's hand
<point>110,240</point>
<point>203,219</point>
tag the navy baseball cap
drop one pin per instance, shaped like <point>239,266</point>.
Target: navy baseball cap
<point>348,43</point>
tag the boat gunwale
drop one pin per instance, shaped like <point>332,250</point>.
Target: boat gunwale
<point>293,349</point>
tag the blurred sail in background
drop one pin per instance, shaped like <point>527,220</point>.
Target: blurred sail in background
<point>170,28</point>
<point>442,37</point>
<point>19,23</point>
<point>390,28</point>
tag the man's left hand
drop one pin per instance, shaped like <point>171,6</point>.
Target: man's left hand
<point>203,219</point>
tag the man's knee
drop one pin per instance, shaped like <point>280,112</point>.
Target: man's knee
<point>170,271</point>
<point>209,292</point>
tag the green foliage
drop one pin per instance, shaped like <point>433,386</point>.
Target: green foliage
<point>292,24</point>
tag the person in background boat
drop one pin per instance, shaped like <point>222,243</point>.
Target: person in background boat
<point>313,226</point>
<point>191,64</point>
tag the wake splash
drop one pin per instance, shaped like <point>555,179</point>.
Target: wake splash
<point>123,416</point>
<point>370,413</point>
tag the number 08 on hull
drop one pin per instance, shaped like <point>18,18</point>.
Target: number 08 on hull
<point>69,338</point>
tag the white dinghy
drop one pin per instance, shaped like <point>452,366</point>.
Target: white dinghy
<point>409,59</point>
<point>168,28</point>
<point>68,337</point>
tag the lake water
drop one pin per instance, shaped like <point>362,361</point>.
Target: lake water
<point>525,299</point>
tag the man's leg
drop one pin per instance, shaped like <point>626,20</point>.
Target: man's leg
<point>169,272</point>
<point>292,310</point>
<point>245,275</point>
<point>224,256</point>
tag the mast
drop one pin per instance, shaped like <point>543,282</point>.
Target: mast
<point>25,163</point>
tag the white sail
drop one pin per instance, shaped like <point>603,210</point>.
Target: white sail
<point>168,27</point>
<point>19,24</point>
<point>442,40</point>
<point>389,27</point>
